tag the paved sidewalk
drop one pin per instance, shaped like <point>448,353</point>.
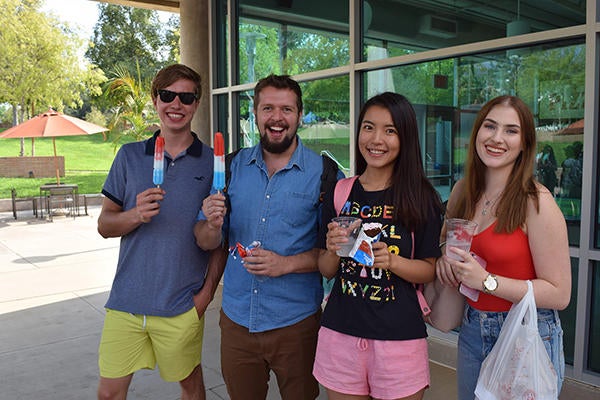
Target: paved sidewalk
<point>54,281</point>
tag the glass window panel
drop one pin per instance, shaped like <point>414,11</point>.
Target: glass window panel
<point>594,335</point>
<point>570,161</point>
<point>222,115</point>
<point>447,94</point>
<point>296,37</point>
<point>221,44</point>
<point>569,315</point>
<point>249,135</point>
<point>401,27</point>
<point>326,121</point>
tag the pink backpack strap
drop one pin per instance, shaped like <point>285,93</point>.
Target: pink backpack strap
<point>342,192</point>
<point>422,302</point>
<point>425,309</point>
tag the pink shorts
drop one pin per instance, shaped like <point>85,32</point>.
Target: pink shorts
<point>383,369</point>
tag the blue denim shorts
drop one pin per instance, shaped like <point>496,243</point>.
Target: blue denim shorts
<point>478,334</point>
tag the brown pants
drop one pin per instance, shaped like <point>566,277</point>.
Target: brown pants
<point>247,359</point>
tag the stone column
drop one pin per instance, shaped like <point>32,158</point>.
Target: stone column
<point>195,53</point>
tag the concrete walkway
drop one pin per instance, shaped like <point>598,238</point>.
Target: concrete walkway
<point>54,281</point>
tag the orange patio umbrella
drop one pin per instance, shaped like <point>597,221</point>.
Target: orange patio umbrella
<point>576,128</point>
<point>52,124</point>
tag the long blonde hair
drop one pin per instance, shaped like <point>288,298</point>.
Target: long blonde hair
<point>511,210</point>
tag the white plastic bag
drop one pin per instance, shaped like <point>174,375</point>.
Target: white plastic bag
<point>518,366</point>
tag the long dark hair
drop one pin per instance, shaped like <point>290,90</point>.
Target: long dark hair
<point>413,196</point>
<point>512,206</point>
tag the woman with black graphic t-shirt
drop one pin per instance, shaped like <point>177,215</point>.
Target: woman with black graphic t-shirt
<point>372,343</point>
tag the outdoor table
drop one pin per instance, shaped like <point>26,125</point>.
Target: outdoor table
<point>51,191</point>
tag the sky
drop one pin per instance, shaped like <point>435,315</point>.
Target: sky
<point>81,15</point>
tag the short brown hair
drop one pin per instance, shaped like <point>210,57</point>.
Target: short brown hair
<point>172,73</point>
<point>279,82</point>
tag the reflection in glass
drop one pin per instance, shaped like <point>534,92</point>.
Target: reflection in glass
<point>546,168</point>
<point>408,26</point>
<point>294,38</point>
<point>326,121</point>
<point>447,95</point>
<point>221,44</point>
<point>249,135</point>
<point>222,103</point>
<point>569,187</point>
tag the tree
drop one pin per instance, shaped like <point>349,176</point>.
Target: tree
<point>129,37</point>
<point>173,39</point>
<point>133,113</point>
<point>39,67</point>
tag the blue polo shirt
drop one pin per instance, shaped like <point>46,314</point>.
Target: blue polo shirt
<point>281,212</point>
<point>160,266</point>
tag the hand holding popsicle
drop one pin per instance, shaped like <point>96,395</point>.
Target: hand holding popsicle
<point>147,204</point>
<point>214,209</point>
<point>159,161</point>
<point>219,163</point>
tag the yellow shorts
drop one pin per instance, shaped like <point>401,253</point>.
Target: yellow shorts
<point>132,342</point>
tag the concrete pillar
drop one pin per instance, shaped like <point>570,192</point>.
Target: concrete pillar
<point>195,53</point>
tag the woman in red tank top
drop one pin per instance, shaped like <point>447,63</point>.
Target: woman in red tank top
<point>521,235</point>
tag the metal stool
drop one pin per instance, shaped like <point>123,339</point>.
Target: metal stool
<point>15,200</point>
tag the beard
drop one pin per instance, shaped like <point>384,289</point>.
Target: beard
<point>276,148</point>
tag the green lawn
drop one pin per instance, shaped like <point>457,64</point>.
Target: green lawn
<point>87,161</point>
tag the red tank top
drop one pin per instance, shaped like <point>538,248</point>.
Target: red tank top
<point>506,254</point>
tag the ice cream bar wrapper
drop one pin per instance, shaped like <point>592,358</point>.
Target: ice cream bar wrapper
<point>243,251</point>
<point>362,251</point>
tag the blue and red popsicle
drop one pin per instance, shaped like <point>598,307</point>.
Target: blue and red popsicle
<point>158,174</point>
<point>219,163</point>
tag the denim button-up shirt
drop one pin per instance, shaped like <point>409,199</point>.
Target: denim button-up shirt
<point>282,213</point>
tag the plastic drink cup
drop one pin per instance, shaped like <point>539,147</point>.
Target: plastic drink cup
<point>219,163</point>
<point>352,225</point>
<point>158,173</point>
<point>459,234</point>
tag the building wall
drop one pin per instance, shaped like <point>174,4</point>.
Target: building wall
<point>32,167</point>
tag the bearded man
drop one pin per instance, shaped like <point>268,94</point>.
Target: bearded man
<point>272,296</point>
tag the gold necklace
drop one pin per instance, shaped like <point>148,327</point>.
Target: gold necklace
<point>489,203</point>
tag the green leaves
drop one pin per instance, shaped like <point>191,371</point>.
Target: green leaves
<point>133,112</point>
<point>132,37</point>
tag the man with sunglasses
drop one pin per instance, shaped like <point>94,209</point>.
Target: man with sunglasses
<point>272,294</point>
<point>164,281</point>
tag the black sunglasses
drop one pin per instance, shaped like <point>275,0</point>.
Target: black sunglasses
<point>167,96</point>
